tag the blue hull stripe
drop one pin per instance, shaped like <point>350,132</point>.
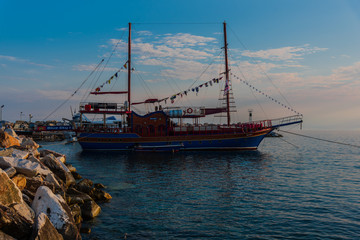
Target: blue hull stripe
<point>113,142</point>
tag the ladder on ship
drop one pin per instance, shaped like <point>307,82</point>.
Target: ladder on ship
<point>223,99</point>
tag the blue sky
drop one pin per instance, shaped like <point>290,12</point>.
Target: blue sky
<point>308,49</point>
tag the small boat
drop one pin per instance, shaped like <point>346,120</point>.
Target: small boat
<point>157,131</point>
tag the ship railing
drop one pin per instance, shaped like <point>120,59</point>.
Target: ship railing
<point>280,122</point>
<point>219,129</point>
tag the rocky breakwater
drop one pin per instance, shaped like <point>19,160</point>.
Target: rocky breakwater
<point>41,196</point>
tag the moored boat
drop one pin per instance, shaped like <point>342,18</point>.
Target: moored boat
<point>156,130</point>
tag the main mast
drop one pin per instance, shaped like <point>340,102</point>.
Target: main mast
<point>129,69</point>
<point>227,87</point>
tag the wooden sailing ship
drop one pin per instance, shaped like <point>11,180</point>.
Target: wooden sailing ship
<point>156,131</point>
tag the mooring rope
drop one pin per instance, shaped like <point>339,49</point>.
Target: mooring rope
<point>320,139</point>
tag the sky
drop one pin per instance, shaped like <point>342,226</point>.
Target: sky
<point>297,56</point>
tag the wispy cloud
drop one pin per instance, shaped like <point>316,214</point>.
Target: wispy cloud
<point>91,67</point>
<point>185,39</point>
<point>24,61</point>
<point>284,53</point>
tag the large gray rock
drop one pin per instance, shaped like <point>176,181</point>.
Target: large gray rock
<point>24,166</point>
<point>58,212</point>
<point>59,168</point>
<point>59,156</point>
<point>44,230</point>
<point>17,153</point>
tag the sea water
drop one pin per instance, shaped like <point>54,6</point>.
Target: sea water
<point>290,188</point>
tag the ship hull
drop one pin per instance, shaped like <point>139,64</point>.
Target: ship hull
<point>131,141</point>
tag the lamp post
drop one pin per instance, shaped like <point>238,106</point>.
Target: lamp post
<point>21,115</point>
<point>2,106</point>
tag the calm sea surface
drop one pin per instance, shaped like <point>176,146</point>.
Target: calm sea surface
<point>291,188</point>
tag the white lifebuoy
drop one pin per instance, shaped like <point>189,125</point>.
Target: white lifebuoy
<point>189,110</point>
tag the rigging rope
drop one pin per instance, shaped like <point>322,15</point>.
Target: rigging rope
<point>266,95</point>
<point>320,139</point>
<point>75,91</point>
<point>262,70</point>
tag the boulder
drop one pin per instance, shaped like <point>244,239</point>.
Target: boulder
<point>76,213</point>
<point>28,143</point>
<point>11,196</point>
<point>11,171</point>
<point>85,185</point>
<point>6,152</point>
<point>100,195</point>
<point>11,132</point>
<point>74,196</point>
<point>90,209</point>
<point>9,192</point>
<point>57,211</point>
<point>20,181</point>
<point>35,153</point>
<point>14,224</point>
<point>24,166</point>
<point>52,179</point>
<point>24,210</point>
<point>31,195</point>
<point>76,175</point>
<point>4,236</point>
<point>44,230</point>
<point>59,169</point>
<point>70,167</point>
<point>27,199</point>
<point>85,230</point>
<point>7,140</point>
<point>99,186</point>
<point>17,153</point>
<point>59,156</point>
<point>32,184</point>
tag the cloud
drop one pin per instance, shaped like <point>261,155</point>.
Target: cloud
<point>25,61</point>
<point>341,77</point>
<point>121,29</point>
<point>144,33</point>
<point>284,53</point>
<point>91,67</point>
<point>180,40</point>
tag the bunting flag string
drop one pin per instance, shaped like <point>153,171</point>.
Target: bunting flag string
<point>108,81</point>
<point>264,94</point>
<point>193,89</point>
